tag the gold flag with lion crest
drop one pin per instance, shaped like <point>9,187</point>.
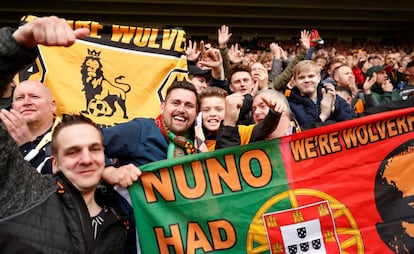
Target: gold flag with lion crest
<point>117,73</point>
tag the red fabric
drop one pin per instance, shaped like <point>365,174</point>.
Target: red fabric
<point>347,182</point>
<point>158,122</point>
<point>359,77</point>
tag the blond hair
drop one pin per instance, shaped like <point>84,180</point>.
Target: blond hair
<point>306,66</point>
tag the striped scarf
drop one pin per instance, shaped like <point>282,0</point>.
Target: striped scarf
<point>178,145</point>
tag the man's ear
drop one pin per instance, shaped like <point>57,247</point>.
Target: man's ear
<point>55,166</point>
<point>335,77</point>
<point>54,107</point>
<point>231,88</point>
<point>162,106</point>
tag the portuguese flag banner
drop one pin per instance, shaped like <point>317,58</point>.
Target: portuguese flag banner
<point>117,73</point>
<point>342,188</point>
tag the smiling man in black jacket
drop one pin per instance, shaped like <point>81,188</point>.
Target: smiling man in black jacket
<point>62,213</point>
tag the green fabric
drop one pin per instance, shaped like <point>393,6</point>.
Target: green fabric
<point>196,219</point>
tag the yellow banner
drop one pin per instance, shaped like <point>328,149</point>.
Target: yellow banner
<point>114,75</point>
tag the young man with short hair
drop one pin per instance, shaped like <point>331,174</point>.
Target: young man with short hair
<point>314,104</point>
<point>61,213</point>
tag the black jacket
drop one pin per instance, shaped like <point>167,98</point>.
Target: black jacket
<point>47,212</point>
<point>13,57</point>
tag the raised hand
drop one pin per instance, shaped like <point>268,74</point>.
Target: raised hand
<point>274,104</point>
<point>305,40</point>
<point>387,86</point>
<point>369,82</point>
<point>274,48</point>
<point>16,126</point>
<point>260,78</point>
<point>210,58</point>
<point>327,102</point>
<point>191,51</point>
<point>235,54</point>
<point>123,176</point>
<point>48,31</point>
<point>213,60</point>
<point>223,36</point>
<point>233,104</point>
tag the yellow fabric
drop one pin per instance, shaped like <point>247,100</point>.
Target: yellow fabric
<point>47,138</point>
<point>138,65</point>
<point>211,145</point>
<point>245,132</point>
<point>359,106</point>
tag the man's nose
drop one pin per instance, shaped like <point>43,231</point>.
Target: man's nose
<point>27,99</point>
<point>204,84</point>
<point>86,156</point>
<point>181,107</point>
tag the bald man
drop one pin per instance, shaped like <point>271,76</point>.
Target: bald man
<point>30,122</point>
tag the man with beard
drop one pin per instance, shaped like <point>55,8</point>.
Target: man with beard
<point>144,140</point>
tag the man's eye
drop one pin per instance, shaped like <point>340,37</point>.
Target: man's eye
<point>71,153</point>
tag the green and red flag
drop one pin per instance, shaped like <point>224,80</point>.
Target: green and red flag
<point>342,188</point>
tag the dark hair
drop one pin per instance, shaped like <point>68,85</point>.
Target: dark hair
<point>361,63</point>
<point>69,120</point>
<point>236,68</point>
<point>212,91</point>
<point>265,57</point>
<point>343,88</point>
<point>320,57</point>
<point>176,84</point>
<point>328,66</point>
<point>373,57</point>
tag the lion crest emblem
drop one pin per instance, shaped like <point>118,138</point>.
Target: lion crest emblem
<point>101,94</point>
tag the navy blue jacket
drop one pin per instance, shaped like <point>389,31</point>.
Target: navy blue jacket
<point>307,112</point>
<point>138,141</point>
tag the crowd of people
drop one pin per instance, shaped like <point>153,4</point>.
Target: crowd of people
<point>235,94</point>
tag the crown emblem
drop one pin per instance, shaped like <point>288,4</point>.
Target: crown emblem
<point>94,53</point>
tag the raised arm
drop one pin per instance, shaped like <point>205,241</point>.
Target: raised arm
<point>228,134</point>
<point>224,36</point>
<point>280,82</point>
<point>18,47</point>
